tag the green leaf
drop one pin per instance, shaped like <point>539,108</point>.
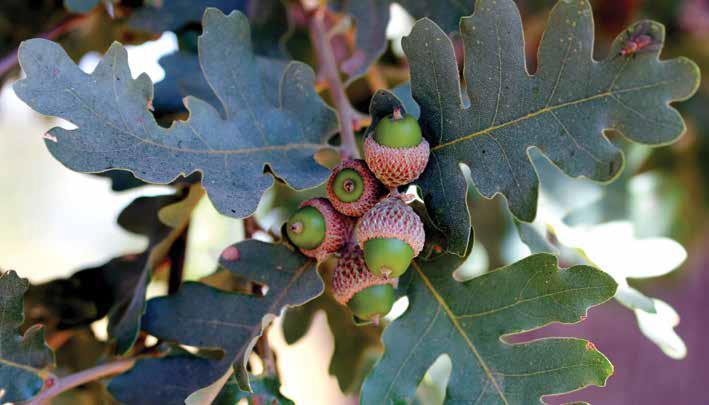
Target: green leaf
<point>22,358</point>
<point>562,109</point>
<point>468,321</point>
<point>117,130</point>
<point>204,317</point>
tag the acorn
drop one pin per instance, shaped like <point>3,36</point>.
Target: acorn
<point>397,153</point>
<point>352,188</point>
<point>317,229</point>
<point>368,296</point>
<point>391,236</point>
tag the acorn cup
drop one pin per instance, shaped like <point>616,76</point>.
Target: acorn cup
<point>397,153</point>
<point>352,188</point>
<point>317,229</point>
<point>391,235</point>
<point>368,296</point>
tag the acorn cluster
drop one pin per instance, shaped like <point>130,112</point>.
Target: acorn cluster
<point>364,219</point>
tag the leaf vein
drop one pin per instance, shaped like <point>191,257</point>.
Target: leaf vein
<point>459,328</point>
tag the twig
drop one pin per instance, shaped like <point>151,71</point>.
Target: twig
<point>330,72</point>
<point>176,254</point>
<point>9,61</point>
<point>74,380</point>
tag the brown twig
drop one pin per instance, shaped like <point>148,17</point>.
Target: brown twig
<point>9,61</point>
<point>327,63</point>
<point>74,380</point>
<point>176,255</point>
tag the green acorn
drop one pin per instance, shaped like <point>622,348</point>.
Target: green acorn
<point>397,153</point>
<point>368,296</point>
<point>399,130</point>
<point>317,228</point>
<point>391,235</point>
<point>352,188</point>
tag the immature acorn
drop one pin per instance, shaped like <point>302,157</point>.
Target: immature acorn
<point>391,235</point>
<point>352,188</point>
<point>397,153</point>
<point>368,296</point>
<point>318,229</point>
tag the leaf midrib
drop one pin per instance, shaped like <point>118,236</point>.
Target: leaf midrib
<point>545,110</point>
<point>460,330</point>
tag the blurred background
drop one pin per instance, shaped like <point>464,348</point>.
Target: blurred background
<point>648,229</point>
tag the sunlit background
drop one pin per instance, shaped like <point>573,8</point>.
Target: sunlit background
<point>54,221</point>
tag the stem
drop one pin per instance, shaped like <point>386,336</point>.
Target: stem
<point>346,114</point>
<point>9,61</point>
<point>74,380</point>
<point>176,254</point>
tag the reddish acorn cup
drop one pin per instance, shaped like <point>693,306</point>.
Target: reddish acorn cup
<point>318,229</point>
<point>391,235</point>
<point>353,189</point>
<point>397,153</point>
<point>368,296</point>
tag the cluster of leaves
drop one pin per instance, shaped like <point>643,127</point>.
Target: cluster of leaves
<point>256,119</point>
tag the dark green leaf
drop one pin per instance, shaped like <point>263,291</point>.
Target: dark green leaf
<point>80,6</point>
<point>171,15</point>
<point>562,109</point>
<point>372,18</point>
<point>122,180</point>
<point>263,387</point>
<point>117,288</point>
<point>87,296</point>
<point>204,317</point>
<point>117,130</point>
<point>467,321</point>
<point>269,19</point>
<point>183,77</point>
<point>22,358</point>
<point>162,219</point>
<point>446,13</point>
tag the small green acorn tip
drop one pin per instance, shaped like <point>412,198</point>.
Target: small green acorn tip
<point>373,302</point>
<point>388,257</point>
<point>348,185</point>
<point>306,228</point>
<point>398,131</point>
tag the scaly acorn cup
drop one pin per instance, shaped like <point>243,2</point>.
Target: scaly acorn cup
<point>391,235</point>
<point>352,188</point>
<point>396,153</point>
<point>317,229</point>
<point>368,296</point>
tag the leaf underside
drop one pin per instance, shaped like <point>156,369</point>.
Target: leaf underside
<point>116,129</point>
<point>467,321</point>
<point>204,317</point>
<point>22,358</point>
<point>563,109</point>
